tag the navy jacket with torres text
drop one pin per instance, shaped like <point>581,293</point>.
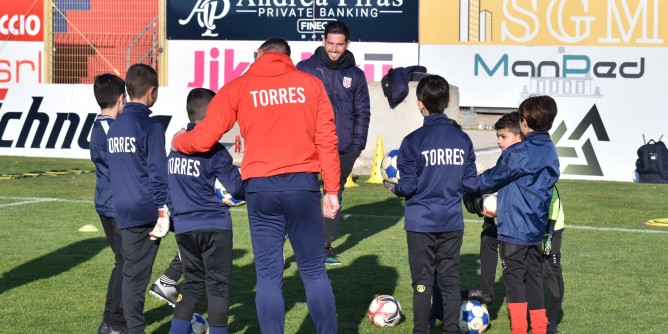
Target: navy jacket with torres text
<point>137,167</point>
<point>436,167</point>
<point>191,185</point>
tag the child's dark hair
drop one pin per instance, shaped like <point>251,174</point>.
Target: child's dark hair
<point>197,103</point>
<point>539,112</point>
<point>337,27</point>
<point>434,93</point>
<point>139,79</point>
<point>107,88</point>
<point>510,122</point>
<point>454,123</point>
<point>276,44</point>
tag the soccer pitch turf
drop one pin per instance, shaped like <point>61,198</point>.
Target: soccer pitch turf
<point>53,277</point>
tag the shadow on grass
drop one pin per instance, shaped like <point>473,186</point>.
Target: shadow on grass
<point>358,225</point>
<point>52,264</point>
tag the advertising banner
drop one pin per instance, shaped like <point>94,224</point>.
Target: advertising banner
<point>544,22</point>
<point>21,21</point>
<point>21,62</point>
<point>607,97</point>
<point>56,120</point>
<point>294,20</point>
<point>211,64</point>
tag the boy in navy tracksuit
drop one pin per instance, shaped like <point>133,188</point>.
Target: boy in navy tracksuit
<point>202,224</point>
<point>437,167</point>
<point>138,171</point>
<point>524,177</point>
<point>109,93</point>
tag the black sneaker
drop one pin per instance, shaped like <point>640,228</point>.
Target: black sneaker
<point>330,257</point>
<point>479,295</point>
<point>103,329</point>
<point>167,293</point>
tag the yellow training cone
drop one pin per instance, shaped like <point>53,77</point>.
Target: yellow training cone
<point>377,158</point>
<point>88,228</point>
<point>349,182</point>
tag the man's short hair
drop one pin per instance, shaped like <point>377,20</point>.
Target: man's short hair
<point>107,88</point>
<point>539,111</point>
<point>139,79</point>
<point>434,93</point>
<point>276,44</point>
<point>510,122</point>
<point>197,102</point>
<point>337,27</point>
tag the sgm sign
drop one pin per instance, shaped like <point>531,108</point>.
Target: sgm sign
<point>569,66</point>
<point>22,21</point>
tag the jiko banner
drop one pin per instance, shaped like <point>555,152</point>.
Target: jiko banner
<point>294,20</point>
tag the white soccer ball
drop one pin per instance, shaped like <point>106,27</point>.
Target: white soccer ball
<point>198,325</point>
<point>388,167</point>
<point>473,317</point>
<point>385,311</point>
<point>489,205</point>
<point>226,197</point>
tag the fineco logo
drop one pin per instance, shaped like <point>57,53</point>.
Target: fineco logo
<point>20,25</point>
<point>206,13</point>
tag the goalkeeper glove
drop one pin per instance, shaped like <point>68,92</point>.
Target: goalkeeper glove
<point>162,225</point>
<point>473,205</point>
<point>390,186</point>
<point>547,244</point>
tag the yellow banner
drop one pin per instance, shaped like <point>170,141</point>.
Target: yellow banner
<point>633,23</point>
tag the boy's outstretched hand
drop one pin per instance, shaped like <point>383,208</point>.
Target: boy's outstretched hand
<point>390,186</point>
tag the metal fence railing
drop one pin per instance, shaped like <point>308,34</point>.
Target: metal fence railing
<point>92,37</point>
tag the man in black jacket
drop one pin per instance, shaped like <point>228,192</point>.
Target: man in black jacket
<point>349,94</point>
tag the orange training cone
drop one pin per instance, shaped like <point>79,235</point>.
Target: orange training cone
<point>377,158</point>
<point>349,182</point>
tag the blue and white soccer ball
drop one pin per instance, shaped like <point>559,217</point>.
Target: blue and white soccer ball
<point>388,167</point>
<point>226,197</point>
<point>198,325</point>
<point>473,317</point>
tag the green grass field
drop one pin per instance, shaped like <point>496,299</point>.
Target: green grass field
<point>53,277</point>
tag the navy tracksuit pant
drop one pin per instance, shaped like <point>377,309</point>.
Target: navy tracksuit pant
<point>272,215</point>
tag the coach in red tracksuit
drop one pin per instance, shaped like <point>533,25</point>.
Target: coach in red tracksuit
<point>287,122</point>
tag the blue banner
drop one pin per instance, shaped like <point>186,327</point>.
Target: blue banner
<point>294,20</point>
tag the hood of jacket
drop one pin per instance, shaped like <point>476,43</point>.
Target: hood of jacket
<point>271,64</point>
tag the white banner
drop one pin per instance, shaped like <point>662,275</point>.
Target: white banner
<point>55,120</point>
<point>21,62</point>
<point>211,64</point>
<point>607,97</point>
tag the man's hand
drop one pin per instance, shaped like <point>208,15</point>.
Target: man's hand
<point>162,225</point>
<point>330,205</point>
<point>173,149</point>
<point>233,202</point>
<point>390,186</point>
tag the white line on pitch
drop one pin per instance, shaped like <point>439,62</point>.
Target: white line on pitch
<point>30,200</point>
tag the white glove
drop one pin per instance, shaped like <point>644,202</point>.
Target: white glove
<point>162,225</point>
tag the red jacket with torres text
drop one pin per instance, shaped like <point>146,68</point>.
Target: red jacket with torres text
<point>285,117</point>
